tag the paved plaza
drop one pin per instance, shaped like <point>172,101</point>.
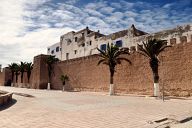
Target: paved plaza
<point>55,109</point>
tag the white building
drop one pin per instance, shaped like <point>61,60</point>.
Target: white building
<point>85,42</point>
<point>54,50</point>
<point>78,44</point>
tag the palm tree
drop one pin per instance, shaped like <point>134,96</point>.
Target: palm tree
<point>16,70</point>
<point>22,68</point>
<point>151,49</point>
<point>63,79</point>
<point>29,67</point>
<point>50,61</point>
<point>111,57</point>
<point>12,68</point>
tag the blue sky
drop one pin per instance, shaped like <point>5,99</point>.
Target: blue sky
<point>29,27</point>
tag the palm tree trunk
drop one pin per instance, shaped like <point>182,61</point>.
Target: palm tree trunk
<point>16,78</point>
<point>21,77</point>
<point>49,84</point>
<point>12,76</point>
<point>156,84</point>
<point>111,88</point>
<point>154,67</point>
<point>49,79</point>
<point>28,76</point>
<point>63,86</point>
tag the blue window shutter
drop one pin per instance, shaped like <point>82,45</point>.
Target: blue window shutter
<point>103,47</point>
<point>119,43</point>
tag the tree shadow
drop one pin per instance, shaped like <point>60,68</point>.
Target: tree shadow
<point>72,91</point>
<point>23,94</point>
<point>186,120</point>
<point>6,106</point>
<point>178,98</point>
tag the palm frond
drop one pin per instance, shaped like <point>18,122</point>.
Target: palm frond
<point>125,59</point>
<point>163,48</point>
<point>101,61</point>
<point>152,48</point>
<point>144,49</point>
<point>112,56</point>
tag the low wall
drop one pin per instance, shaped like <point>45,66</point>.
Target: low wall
<point>175,73</point>
<point>5,98</point>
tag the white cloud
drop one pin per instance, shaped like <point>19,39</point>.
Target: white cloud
<point>131,14</point>
<point>33,43</point>
<point>10,23</point>
<point>126,4</point>
<point>93,13</point>
<point>17,45</point>
<point>96,5</point>
<point>167,5</point>
<point>107,10</point>
<point>115,5</point>
<point>71,1</point>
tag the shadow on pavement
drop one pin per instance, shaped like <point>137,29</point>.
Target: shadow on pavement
<point>179,98</point>
<point>72,91</point>
<point>23,94</point>
<point>186,120</point>
<point>11,103</point>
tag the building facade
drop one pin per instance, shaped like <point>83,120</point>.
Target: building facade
<point>55,50</point>
<point>78,44</point>
<point>85,42</point>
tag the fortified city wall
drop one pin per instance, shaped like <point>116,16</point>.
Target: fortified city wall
<point>175,73</point>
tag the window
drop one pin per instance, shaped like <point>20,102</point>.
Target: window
<point>82,34</point>
<point>119,43</point>
<point>103,47</point>
<point>76,39</point>
<point>83,45</point>
<point>57,49</point>
<point>48,49</point>
<point>68,41</point>
<point>183,39</point>
<point>90,42</point>
<point>52,52</point>
<point>67,56</point>
<point>75,51</point>
<point>173,41</point>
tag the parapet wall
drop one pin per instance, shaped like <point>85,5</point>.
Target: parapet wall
<point>175,73</point>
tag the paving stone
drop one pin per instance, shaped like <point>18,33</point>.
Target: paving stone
<point>56,109</point>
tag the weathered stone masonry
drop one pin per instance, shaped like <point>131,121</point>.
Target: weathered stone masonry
<point>175,73</point>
